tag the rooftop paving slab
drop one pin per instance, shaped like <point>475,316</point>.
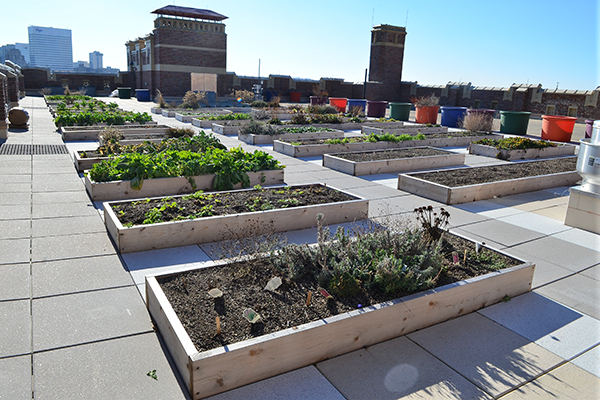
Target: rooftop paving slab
<point>15,378</point>
<point>16,282</point>
<point>75,275</point>
<point>71,246</point>
<point>43,227</point>
<point>15,229</point>
<point>15,251</point>
<point>395,369</point>
<point>492,357</point>
<point>576,291</point>
<point>590,361</point>
<point>114,369</point>
<point>87,317</point>
<point>15,328</point>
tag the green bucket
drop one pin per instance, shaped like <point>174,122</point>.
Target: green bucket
<point>514,122</point>
<point>400,111</point>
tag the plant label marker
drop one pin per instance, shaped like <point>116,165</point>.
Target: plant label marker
<point>251,315</point>
<point>218,321</point>
<point>308,297</point>
<point>326,294</point>
<point>273,284</point>
<point>215,293</point>
<point>455,258</point>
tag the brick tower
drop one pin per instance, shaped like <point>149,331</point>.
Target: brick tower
<point>385,66</point>
<point>184,41</point>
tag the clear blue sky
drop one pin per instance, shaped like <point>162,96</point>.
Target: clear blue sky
<point>487,43</point>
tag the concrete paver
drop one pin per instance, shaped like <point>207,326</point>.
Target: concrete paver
<point>576,291</point>
<point>589,361</point>
<point>15,378</point>
<point>71,246</point>
<point>16,282</point>
<point>15,328</point>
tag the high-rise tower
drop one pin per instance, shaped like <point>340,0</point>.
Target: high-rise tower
<point>387,55</point>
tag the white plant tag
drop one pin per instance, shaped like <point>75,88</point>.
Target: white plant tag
<point>215,293</point>
<point>273,284</point>
<point>251,315</point>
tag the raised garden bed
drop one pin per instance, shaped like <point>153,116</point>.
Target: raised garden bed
<point>464,185</point>
<point>275,210</point>
<point>403,129</point>
<point>266,139</point>
<point>207,122</point>
<point>508,149</point>
<point>72,133</point>
<point>392,160</point>
<point>292,333</point>
<point>228,127</point>
<point>309,148</point>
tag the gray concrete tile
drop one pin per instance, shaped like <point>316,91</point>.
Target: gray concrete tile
<point>561,253</point>
<point>15,283</point>
<point>545,272</point>
<point>459,217</point>
<point>15,378</point>
<point>535,222</point>
<point>302,384</point>
<point>372,190</point>
<point>566,382</point>
<point>492,357</point>
<point>589,361</point>
<point>15,198</point>
<point>54,182</point>
<point>15,229</point>
<point>67,226</point>
<point>15,211</point>
<point>578,292</point>
<point>60,197</point>
<point>15,328</point>
<point>15,251</point>
<point>15,178</point>
<point>593,272</point>
<point>553,326</point>
<point>116,369</point>
<point>580,237</point>
<point>88,317</point>
<point>500,232</point>
<point>396,369</point>
<point>78,275</point>
<point>16,187</point>
<point>51,210</point>
<point>73,246</point>
<point>15,167</point>
<point>164,261</point>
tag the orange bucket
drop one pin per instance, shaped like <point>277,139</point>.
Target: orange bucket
<point>557,128</point>
<point>339,103</point>
<point>426,114</point>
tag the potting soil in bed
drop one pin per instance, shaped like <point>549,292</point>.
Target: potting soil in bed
<point>206,204</point>
<point>363,138</point>
<point>495,173</point>
<point>243,286</point>
<point>391,154</point>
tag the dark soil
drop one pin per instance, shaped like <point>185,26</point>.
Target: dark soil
<point>393,154</point>
<point>427,135</point>
<point>225,203</point>
<point>472,176</point>
<point>120,127</point>
<point>243,287</point>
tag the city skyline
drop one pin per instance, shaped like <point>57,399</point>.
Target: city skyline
<point>535,42</point>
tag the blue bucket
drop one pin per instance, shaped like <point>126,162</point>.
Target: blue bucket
<point>357,103</point>
<point>451,115</point>
<point>142,94</point>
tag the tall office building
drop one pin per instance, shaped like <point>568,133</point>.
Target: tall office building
<point>50,48</point>
<point>17,53</point>
<point>96,60</point>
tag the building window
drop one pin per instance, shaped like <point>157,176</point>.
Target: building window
<point>476,103</point>
<point>572,111</point>
<point>106,84</point>
<point>550,109</point>
<point>495,104</point>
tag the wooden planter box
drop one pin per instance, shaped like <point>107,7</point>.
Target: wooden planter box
<point>84,164</point>
<point>463,194</point>
<point>183,118</point>
<point>267,139</point>
<point>405,129</point>
<point>220,227</point>
<point>562,149</point>
<point>156,110</point>
<point>168,113</point>
<point>218,370</point>
<point>120,190</point>
<point>392,165</point>
<point>310,150</point>
<point>228,127</point>
<point>208,124</point>
<point>72,133</point>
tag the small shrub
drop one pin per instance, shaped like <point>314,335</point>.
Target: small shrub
<point>160,99</point>
<point>300,119</point>
<point>110,135</point>
<point>243,96</point>
<point>259,104</point>
<point>431,222</point>
<point>356,111</point>
<point>426,101</point>
<point>260,114</point>
<point>477,122</point>
<point>274,102</point>
<point>258,128</point>
<point>179,132</point>
<point>322,109</point>
<point>317,91</point>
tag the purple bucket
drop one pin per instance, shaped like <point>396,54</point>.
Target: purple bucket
<point>589,126</point>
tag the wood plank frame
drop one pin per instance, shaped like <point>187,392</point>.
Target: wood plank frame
<point>311,150</point>
<point>267,139</point>
<point>341,164</point>
<point>221,227</point>
<point>562,149</point>
<point>218,370</point>
<point>120,190</point>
